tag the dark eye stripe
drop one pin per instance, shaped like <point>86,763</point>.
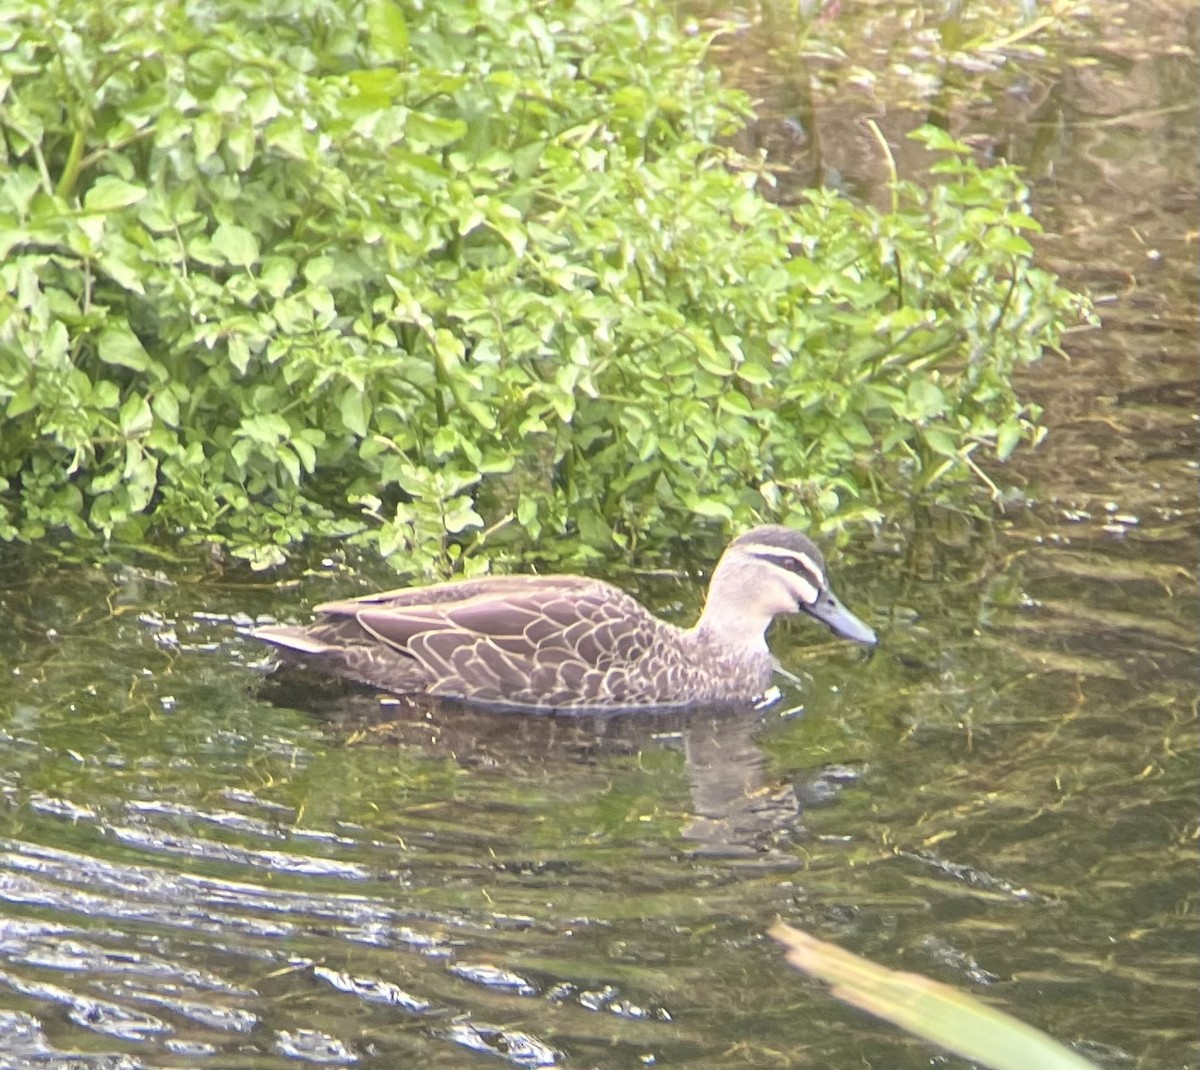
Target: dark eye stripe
<point>799,563</point>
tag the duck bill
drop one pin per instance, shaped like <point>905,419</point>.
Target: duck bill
<point>844,624</point>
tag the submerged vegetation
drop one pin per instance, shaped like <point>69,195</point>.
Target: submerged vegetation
<point>917,50</point>
<point>428,276</point>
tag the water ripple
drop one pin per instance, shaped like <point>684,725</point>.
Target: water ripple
<point>494,977</point>
<point>100,1016</point>
<point>312,1046</point>
<point>219,1018</point>
<point>197,847</point>
<point>373,990</point>
<point>520,1049</point>
<point>23,1046</point>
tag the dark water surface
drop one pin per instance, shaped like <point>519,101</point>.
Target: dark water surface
<point>198,869</point>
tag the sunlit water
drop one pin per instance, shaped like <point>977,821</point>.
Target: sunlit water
<point>200,866</point>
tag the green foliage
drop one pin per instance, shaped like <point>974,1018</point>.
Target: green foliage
<point>420,274</point>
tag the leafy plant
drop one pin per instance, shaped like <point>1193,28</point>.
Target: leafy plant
<point>422,276</point>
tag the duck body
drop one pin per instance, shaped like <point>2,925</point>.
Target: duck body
<point>569,642</point>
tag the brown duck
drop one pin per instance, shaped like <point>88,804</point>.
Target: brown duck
<point>568,642</point>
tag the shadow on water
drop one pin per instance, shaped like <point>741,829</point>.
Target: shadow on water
<point>197,869</point>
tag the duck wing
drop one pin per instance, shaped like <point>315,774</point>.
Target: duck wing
<point>546,642</point>
<point>457,591</point>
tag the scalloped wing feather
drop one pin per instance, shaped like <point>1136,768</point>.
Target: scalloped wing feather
<point>544,645</point>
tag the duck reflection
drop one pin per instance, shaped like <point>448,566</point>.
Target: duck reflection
<point>737,809</point>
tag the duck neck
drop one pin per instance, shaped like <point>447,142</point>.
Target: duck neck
<point>734,618</point>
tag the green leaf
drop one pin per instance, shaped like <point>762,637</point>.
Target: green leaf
<point>239,353</point>
<point>165,407</point>
<point>527,511</point>
<point>135,418</point>
<point>712,507</point>
<point>431,132</point>
<point>353,408</point>
<point>277,275</point>
<point>227,99</point>
<point>754,374</point>
<point>139,478</point>
<point>269,428</point>
<point>236,244</point>
<point>735,402</point>
<point>55,345</point>
<point>925,400</point>
<point>940,441</point>
<point>319,270</point>
<point>482,414</point>
<point>855,432</point>
<point>119,345</point>
<point>290,462</point>
<point>716,361</point>
<point>105,394</point>
<point>460,515</point>
<point>23,401</point>
<point>1010,243</point>
<point>206,135</point>
<point>306,453</point>
<point>387,28</point>
<point>1007,439</point>
<point>109,193</point>
<point>241,143</point>
<point>287,136</point>
<point>120,260</point>
<point>937,140</point>
<point>512,232</point>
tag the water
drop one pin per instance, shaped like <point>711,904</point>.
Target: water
<point>202,867</point>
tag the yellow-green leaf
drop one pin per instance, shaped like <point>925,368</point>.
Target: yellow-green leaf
<point>166,407</point>
<point>135,418</point>
<point>119,345</point>
<point>936,1012</point>
<point>940,441</point>
<point>236,244</point>
<point>1007,439</point>
<point>21,402</point>
<point>353,409</point>
<point>387,29</point>
<point>206,134</point>
<point>109,194</point>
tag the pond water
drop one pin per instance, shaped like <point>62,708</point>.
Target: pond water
<point>203,867</point>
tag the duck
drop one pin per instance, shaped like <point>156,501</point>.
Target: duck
<point>565,642</point>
